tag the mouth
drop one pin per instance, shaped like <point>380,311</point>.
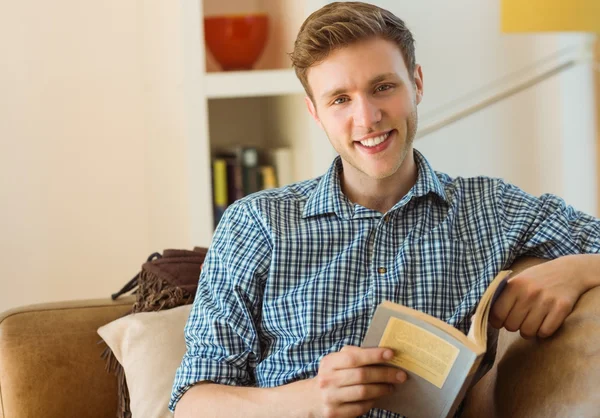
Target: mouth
<point>376,143</point>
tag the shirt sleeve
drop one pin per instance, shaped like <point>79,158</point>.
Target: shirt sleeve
<point>545,226</point>
<point>220,334</point>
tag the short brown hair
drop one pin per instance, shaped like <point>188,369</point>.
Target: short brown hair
<point>339,24</point>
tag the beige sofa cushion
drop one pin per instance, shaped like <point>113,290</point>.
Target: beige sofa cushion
<point>558,376</point>
<point>149,346</point>
<point>50,360</point>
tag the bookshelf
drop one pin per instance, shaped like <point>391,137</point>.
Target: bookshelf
<point>262,108</point>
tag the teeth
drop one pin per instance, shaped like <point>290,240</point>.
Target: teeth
<point>371,142</point>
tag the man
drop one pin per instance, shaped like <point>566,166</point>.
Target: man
<point>294,274</point>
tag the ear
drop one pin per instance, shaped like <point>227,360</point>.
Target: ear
<point>312,110</point>
<point>418,77</point>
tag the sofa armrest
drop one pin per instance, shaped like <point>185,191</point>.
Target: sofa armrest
<point>552,377</point>
<point>50,360</point>
<point>558,376</point>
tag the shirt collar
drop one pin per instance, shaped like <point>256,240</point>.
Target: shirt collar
<point>427,180</point>
<point>328,197</point>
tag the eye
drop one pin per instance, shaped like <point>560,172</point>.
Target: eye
<point>340,100</point>
<point>383,87</point>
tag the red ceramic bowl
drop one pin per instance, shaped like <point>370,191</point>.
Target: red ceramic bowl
<point>236,41</point>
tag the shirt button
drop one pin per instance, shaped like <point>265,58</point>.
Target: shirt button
<point>386,218</point>
<point>382,270</point>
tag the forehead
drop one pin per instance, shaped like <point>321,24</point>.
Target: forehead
<point>355,65</point>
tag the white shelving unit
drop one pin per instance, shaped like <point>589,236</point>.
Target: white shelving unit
<point>251,84</point>
<point>263,107</point>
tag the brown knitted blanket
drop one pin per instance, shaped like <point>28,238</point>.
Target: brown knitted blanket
<point>165,281</point>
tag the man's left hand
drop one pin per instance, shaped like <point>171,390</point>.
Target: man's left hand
<point>537,300</point>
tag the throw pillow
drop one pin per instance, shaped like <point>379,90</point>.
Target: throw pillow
<point>149,346</point>
<point>164,282</point>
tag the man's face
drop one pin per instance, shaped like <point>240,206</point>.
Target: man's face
<point>366,102</point>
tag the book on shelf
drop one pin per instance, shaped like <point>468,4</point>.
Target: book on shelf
<point>284,165</point>
<point>239,171</point>
<point>235,182</point>
<point>220,188</point>
<point>268,179</point>
<point>441,362</point>
<point>243,165</point>
<point>250,171</point>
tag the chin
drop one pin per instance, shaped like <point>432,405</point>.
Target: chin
<point>380,174</point>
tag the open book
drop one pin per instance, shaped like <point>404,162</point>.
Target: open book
<point>441,362</point>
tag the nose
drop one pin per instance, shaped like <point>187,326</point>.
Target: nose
<point>366,113</point>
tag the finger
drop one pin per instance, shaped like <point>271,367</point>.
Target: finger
<point>360,393</point>
<point>502,307</point>
<point>532,323</point>
<point>350,357</point>
<point>370,374</point>
<point>353,409</point>
<point>554,320</point>
<point>516,316</point>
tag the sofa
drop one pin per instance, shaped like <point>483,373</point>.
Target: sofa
<point>51,365</point>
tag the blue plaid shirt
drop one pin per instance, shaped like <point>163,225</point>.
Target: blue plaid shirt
<point>295,273</point>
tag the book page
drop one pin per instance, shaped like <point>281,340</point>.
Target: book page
<point>478,330</point>
<point>419,351</point>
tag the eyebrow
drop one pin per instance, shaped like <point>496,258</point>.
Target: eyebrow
<point>341,90</point>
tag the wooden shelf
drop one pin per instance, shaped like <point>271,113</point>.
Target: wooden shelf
<point>251,83</point>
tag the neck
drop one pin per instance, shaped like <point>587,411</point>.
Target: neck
<point>380,194</point>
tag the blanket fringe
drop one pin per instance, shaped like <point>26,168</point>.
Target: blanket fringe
<point>152,294</point>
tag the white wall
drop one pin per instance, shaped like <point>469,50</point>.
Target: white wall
<point>92,151</point>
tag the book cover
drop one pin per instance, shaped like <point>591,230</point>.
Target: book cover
<point>267,177</point>
<point>237,184</point>
<point>220,191</point>
<point>250,170</point>
<point>284,166</point>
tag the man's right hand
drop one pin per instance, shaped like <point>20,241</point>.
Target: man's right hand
<point>347,385</point>
<point>351,380</point>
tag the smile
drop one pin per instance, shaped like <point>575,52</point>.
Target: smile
<point>373,142</point>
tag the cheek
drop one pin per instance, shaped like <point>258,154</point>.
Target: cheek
<point>401,108</point>
<point>337,121</point>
